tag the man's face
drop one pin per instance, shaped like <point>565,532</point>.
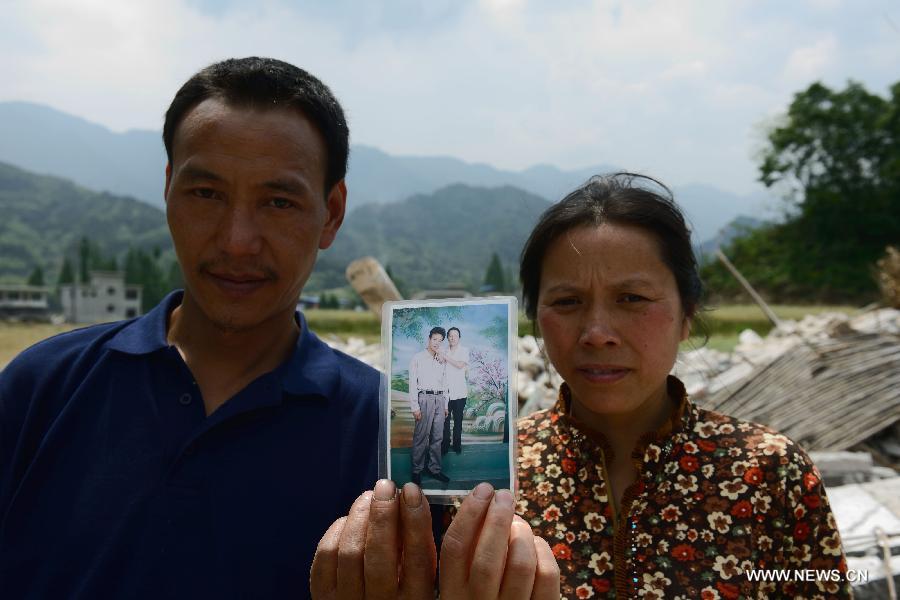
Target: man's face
<point>247,208</point>
<point>434,342</point>
<point>453,338</point>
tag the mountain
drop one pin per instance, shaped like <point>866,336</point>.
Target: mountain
<point>44,140</point>
<point>45,217</point>
<point>435,240</point>
<point>428,240</point>
<point>378,177</point>
<point>734,229</point>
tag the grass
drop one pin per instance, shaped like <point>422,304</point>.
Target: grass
<point>723,324</point>
<point>15,337</point>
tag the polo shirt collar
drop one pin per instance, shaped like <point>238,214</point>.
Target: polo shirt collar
<point>147,333</point>
<point>312,368</point>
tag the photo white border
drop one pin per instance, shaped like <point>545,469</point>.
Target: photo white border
<point>449,496</point>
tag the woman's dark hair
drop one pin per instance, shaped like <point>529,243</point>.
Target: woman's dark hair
<point>261,83</point>
<point>621,199</point>
<point>437,330</point>
<point>456,329</point>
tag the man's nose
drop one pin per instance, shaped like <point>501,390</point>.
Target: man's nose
<point>239,233</point>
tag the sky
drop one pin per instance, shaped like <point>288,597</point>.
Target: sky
<point>683,90</point>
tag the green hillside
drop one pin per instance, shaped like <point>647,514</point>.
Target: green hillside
<point>428,241</point>
<point>43,219</point>
<point>435,240</point>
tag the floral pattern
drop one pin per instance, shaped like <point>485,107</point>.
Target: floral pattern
<point>715,497</point>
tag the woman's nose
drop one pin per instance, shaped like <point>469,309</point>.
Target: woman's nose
<point>599,329</point>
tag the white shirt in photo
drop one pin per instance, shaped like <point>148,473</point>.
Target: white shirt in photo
<point>456,378</point>
<point>426,372</point>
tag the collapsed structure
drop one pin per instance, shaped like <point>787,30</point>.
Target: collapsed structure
<point>830,382</point>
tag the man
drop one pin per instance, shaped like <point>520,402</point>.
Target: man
<point>201,450</point>
<point>428,401</point>
<point>457,361</point>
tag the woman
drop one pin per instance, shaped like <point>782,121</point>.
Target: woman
<point>639,492</point>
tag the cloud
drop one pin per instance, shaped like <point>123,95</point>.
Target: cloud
<point>673,88</point>
<point>809,63</point>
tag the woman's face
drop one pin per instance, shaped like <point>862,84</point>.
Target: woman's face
<point>611,316</point>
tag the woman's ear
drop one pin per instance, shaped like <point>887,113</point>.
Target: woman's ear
<point>686,328</point>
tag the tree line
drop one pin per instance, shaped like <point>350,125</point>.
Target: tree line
<point>156,275</point>
<point>835,160</point>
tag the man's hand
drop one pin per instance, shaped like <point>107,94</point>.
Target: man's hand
<point>417,414</point>
<point>360,554</point>
<point>446,412</point>
<point>488,552</point>
<point>384,549</point>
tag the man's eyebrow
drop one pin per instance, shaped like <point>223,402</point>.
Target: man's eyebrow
<point>194,173</point>
<point>286,185</point>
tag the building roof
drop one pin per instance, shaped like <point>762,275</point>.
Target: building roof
<point>825,394</point>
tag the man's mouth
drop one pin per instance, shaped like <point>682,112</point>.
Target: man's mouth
<point>238,284</point>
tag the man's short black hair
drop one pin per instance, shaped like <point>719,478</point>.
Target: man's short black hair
<point>260,83</point>
<point>456,329</point>
<point>439,330</point>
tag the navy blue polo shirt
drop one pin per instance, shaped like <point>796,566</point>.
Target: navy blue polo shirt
<point>115,484</point>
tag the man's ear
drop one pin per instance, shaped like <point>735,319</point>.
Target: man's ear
<point>335,206</point>
<point>168,181</point>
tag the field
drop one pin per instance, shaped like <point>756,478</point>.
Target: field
<point>723,324</point>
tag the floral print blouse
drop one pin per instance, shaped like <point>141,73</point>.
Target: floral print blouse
<point>715,499</point>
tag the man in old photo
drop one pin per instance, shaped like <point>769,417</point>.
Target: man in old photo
<point>428,402</point>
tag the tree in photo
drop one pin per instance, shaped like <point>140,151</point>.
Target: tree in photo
<point>488,376</point>
<point>412,322</point>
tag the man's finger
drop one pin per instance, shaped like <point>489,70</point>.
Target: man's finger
<point>419,556</point>
<point>350,573</point>
<point>546,577</point>
<point>382,542</point>
<point>459,541</point>
<point>489,557</point>
<point>521,562</point>
<point>323,574</point>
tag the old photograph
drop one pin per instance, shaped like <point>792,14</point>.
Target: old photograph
<point>449,393</point>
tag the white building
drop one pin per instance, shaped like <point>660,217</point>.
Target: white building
<point>104,298</point>
<point>22,301</point>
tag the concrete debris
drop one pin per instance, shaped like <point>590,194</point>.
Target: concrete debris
<point>845,468</point>
<point>829,381</point>
<point>868,517</point>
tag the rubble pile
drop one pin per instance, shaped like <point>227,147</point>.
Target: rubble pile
<point>830,381</point>
<point>705,371</point>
